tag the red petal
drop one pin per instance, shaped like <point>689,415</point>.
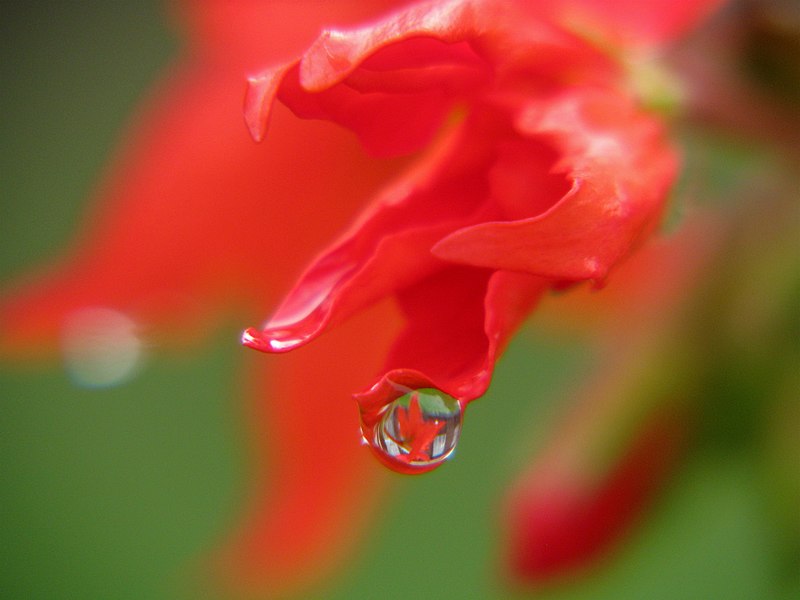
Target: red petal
<point>386,124</point>
<point>192,212</point>
<point>315,486</point>
<point>522,180</point>
<point>621,168</point>
<point>398,112</point>
<point>337,53</point>
<point>388,249</point>
<point>262,89</point>
<point>420,64</point>
<point>458,323</point>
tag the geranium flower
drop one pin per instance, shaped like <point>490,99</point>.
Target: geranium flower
<point>535,166</point>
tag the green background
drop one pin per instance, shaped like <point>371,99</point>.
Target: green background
<point>107,493</point>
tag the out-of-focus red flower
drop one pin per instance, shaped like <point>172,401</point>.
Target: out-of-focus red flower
<point>536,166</point>
<point>603,465</point>
<point>570,510</point>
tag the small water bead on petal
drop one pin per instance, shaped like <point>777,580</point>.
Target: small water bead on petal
<point>274,341</point>
<point>418,431</point>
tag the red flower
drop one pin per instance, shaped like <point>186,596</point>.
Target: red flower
<point>541,169</point>
<point>545,170</point>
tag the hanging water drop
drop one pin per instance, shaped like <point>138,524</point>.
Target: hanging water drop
<point>418,431</point>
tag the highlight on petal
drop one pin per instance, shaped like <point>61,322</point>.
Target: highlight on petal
<point>338,53</point>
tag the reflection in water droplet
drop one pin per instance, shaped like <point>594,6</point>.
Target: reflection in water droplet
<point>100,347</point>
<point>418,431</point>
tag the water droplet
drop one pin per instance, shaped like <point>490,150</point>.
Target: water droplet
<point>418,431</point>
<point>296,324</point>
<point>273,340</point>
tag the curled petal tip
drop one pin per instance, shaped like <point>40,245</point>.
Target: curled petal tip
<point>254,113</point>
<point>596,269</point>
<point>259,98</point>
<point>251,337</point>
